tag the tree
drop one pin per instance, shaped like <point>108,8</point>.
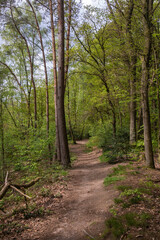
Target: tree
<point>147,10</point>
<point>46,74</point>
<point>57,155</point>
<point>64,150</point>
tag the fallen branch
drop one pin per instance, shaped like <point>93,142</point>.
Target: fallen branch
<point>155,181</point>
<point>4,190</point>
<point>16,189</point>
<point>28,184</point>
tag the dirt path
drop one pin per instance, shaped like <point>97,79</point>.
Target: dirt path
<point>85,202</point>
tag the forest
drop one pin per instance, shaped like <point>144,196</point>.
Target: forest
<point>70,72</point>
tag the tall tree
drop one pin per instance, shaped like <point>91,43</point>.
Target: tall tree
<point>45,71</point>
<point>31,59</point>
<point>65,158</point>
<point>147,10</point>
<point>57,142</point>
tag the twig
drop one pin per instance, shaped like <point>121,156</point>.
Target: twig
<point>6,178</point>
<point>88,234</point>
<point>16,189</point>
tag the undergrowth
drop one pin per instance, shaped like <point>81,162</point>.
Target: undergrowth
<point>116,175</point>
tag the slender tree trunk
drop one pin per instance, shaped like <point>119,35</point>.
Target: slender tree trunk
<point>67,44</point>
<point>31,68</point>
<point>133,103</point>
<point>69,117</point>
<point>140,124</point>
<point>2,139</point>
<point>66,69</point>
<point>46,75</point>
<point>65,158</point>
<point>28,90</point>
<point>57,143</point>
<point>147,7</point>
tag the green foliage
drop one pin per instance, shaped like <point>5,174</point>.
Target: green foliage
<point>12,227</point>
<point>115,226</point>
<point>120,170</point>
<point>45,192</point>
<point>134,196</point>
<point>112,179</point>
<point>116,174</point>
<point>114,148</point>
<point>118,225</point>
<point>124,187</point>
<point>33,212</point>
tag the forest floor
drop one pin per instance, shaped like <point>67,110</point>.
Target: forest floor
<point>80,210</point>
<point>77,206</point>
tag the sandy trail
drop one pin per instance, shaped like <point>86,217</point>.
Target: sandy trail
<point>85,202</point>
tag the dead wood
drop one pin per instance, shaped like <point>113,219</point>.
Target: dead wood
<point>27,185</point>
<point>17,190</point>
<point>4,190</point>
<point>16,187</point>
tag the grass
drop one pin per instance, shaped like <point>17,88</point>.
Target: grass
<point>118,225</point>
<point>116,175</point>
<point>112,179</point>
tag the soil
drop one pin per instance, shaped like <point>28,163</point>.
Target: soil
<point>76,207</point>
<point>82,210</point>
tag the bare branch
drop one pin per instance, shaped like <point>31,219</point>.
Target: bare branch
<point>17,190</point>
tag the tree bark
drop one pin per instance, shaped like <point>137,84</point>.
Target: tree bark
<point>2,138</point>
<point>147,7</point>
<point>69,116</point>
<point>133,103</point>
<point>67,44</point>
<point>65,158</point>
<point>46,75</point>
<point>57,155</point>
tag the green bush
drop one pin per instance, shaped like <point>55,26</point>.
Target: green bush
<point>113,147</point>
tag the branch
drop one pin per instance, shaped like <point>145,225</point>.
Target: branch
<point>6,178</point>
<point>16,187</point>
<point>156,7</point>
<point>4,190</point>
<point>17,190</point>
<point>13,74</point>
<point>28,184</point>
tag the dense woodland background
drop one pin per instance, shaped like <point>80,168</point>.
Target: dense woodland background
<point>111,79</point>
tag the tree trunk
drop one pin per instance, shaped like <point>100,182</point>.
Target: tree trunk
<point>2,138</point>
<point>133,103</point>
<point>46,76</point>
<point>67,45</point>
<point>65,158</point>
<point>57,156</point>
<point>147,19</point>
<point>31,68</point>
<point>69,117</point>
